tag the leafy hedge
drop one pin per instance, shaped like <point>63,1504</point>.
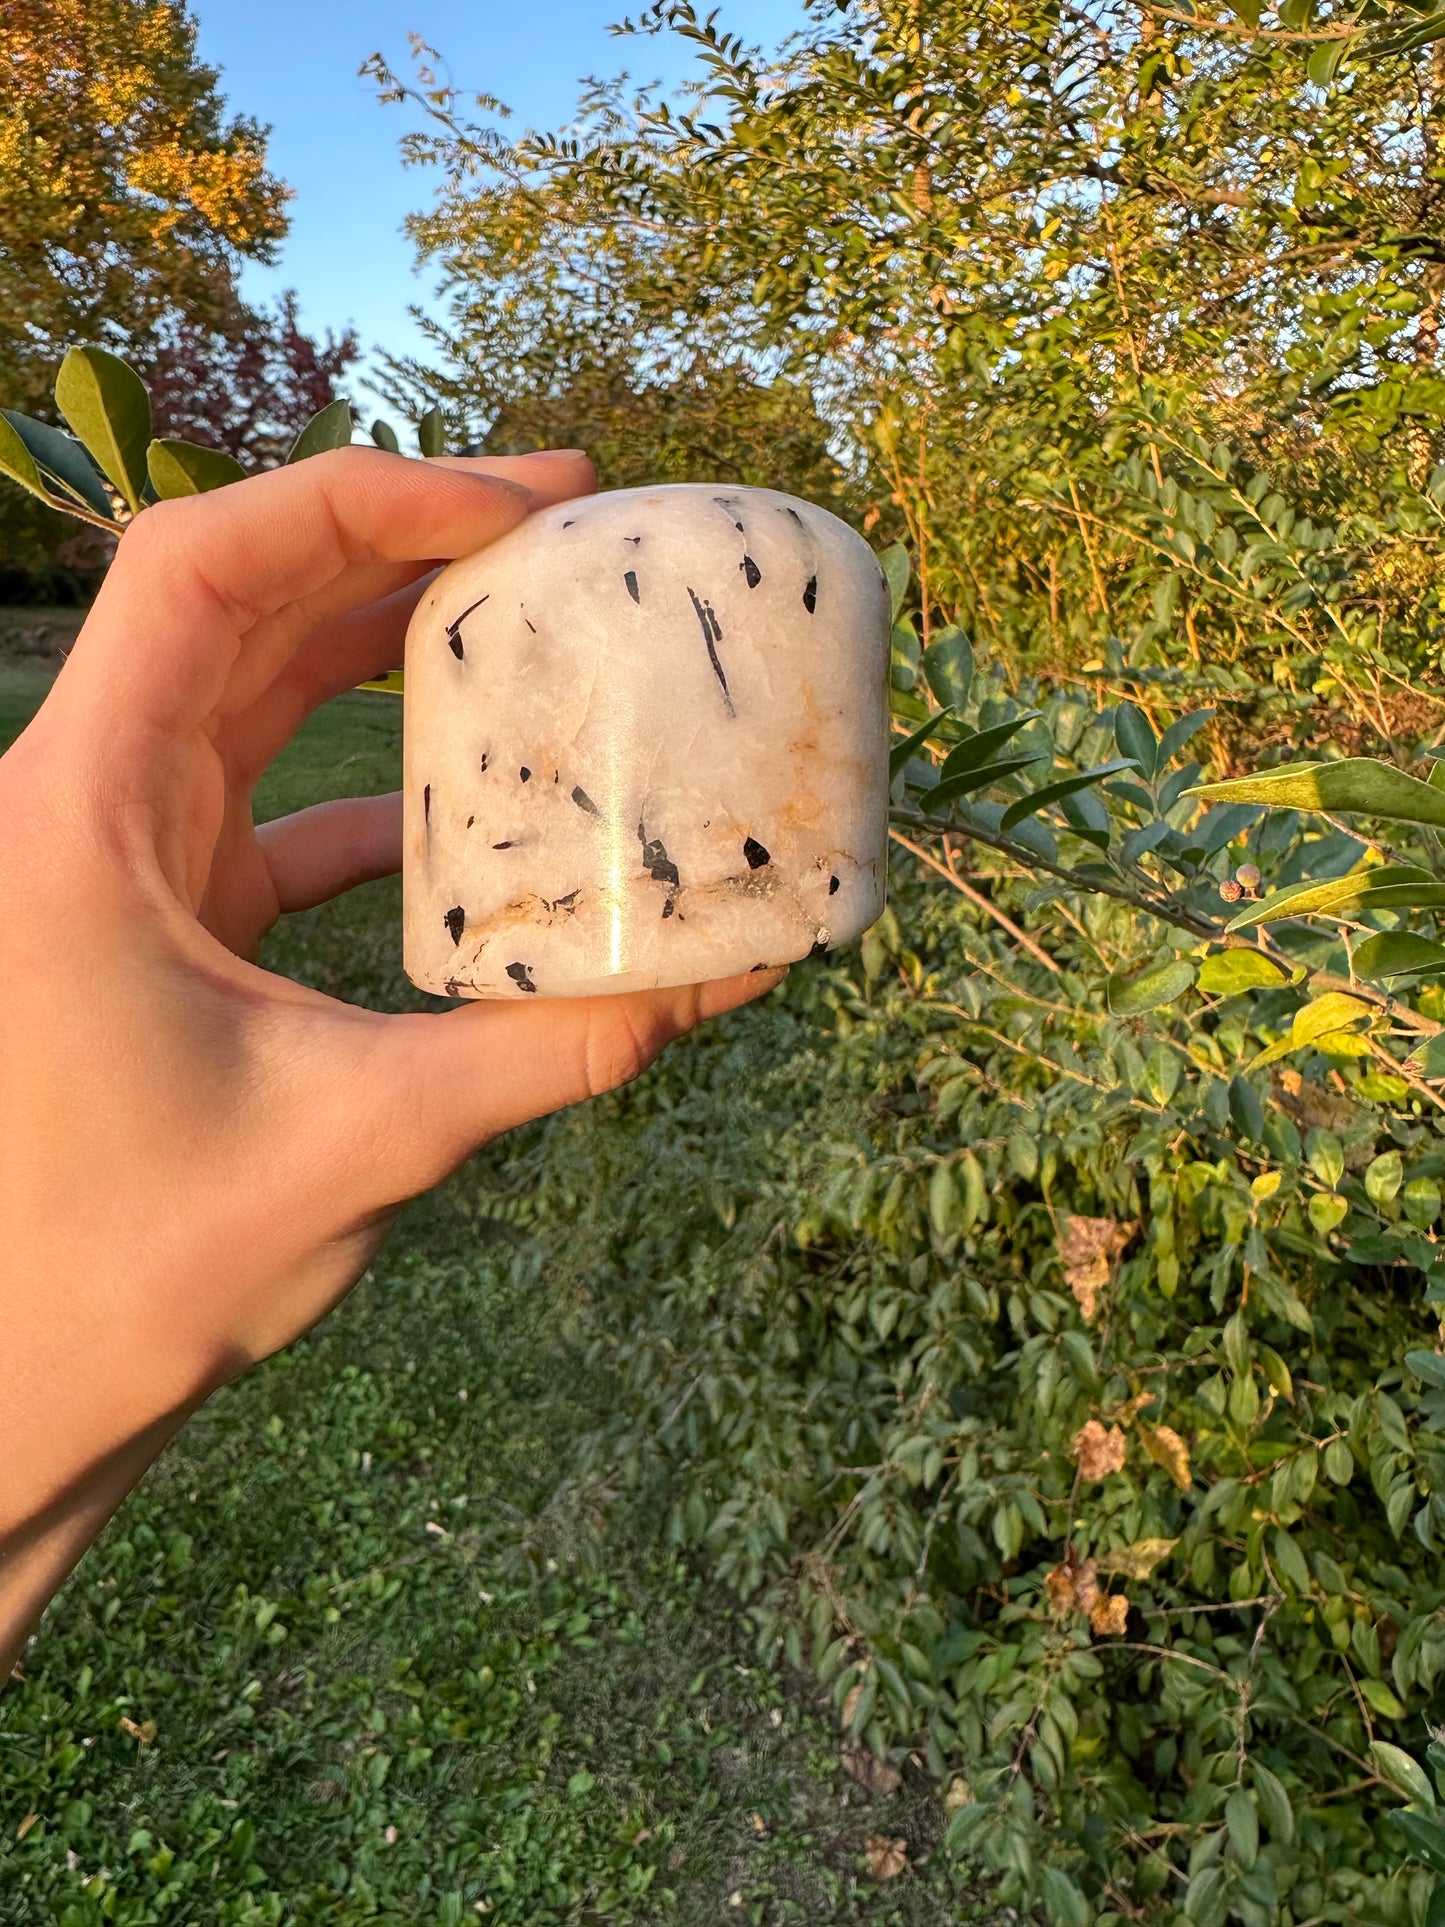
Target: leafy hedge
<point>1051,1370</point>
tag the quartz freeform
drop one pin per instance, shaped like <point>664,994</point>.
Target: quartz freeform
<point>646,743</point>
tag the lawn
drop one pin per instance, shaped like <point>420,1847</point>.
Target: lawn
<point>360,1651</point>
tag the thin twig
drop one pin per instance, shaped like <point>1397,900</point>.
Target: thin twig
<point>981,901</point>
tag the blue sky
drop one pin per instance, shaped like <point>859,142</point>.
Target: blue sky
<point>293,63</point>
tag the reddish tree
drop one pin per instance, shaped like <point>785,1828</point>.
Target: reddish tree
<point>247,385</point>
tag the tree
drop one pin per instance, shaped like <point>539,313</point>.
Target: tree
<point>1007,248</point>
<point>127,197</point>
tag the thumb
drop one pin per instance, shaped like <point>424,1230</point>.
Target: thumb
<point>431,1089</point>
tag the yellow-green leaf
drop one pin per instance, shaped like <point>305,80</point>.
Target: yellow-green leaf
<point>105,402</point>
<point>1357,785</point>
<point>1322,1023</point>
<point>1394,887</point>
<point>1394,953</point>
<point>1227,972</point>
<point>1161,983</point>
<point>185,468</point>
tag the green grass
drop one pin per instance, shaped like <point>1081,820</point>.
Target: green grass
<point>359,1651</point>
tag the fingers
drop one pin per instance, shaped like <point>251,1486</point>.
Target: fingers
<point>316,854</point>
<point>431,1089</point>
<point>198,583</point>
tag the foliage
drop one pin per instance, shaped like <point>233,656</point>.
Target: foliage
<point>1129,317</point>
<point>127,196</point>
<point>325,1666</point>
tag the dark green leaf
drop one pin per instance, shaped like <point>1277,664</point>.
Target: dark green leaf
<point>1429,1366</point>
<point>948,666</point>
<point>64,466</point>
<point>896,571</point>
<point>329,428</point>
<point>1358,785</point>
<point>431,433</point>
<point>1394,953</point>
<point>900,752</point>
<point>1179,733</point>
<point>1324,62</point>
<point>384,435</point>
<point>1136,739</point>
<point>105,402</point>
<point>1055,792</point>
<point>184,468</point>
<point>1426,1837</point>
<point>973,779</point>
<point>975,749</point>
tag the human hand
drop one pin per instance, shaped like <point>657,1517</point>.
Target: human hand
<point>199,1158</point>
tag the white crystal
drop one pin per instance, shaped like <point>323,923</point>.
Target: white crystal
<point>646,743</point>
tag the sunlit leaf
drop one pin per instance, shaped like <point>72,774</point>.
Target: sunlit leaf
<point>65,469</point>
<point>183,468</point>
<point>1227,972</point>
<point>1393,1763</point>
<point>105,402</point>
<point>1358,785</point>
<point>1392,887</point>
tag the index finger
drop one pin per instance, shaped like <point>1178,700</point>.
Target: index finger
<point>194,579</point>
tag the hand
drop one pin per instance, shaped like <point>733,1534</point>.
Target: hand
<point>198,1158</point>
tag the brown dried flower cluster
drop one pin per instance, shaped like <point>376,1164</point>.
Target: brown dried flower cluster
<point>1087,1250</point>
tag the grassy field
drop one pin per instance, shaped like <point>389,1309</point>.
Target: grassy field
<point>342,1659</point>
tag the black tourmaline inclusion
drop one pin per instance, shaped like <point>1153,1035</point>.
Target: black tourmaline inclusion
<point>832,886</point>
<point>456,921</point>
<point>584,801</point>
<point>751,571</point>
<point>810,594</point>
<point>756,855</point>
<point>521,976</point>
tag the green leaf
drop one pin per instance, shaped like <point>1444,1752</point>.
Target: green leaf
<point>976,748</point>
<point>948,667</point>
<point>896,571</point>
<point>1276,1808</point>
<point>1063,1901</point>
<point>1055,792</point>
<point>1432,27</point>
<point>1323,1017</point>
<point>1357,785</point>
<point>1327,1212</point>
<point>65,468</point>
<point>1136,739</point>
<point>1394,953</point>
<point>1227,972</point>
<point>1393,887</point>
<point>1162,983</point>
<point>1383,1177</point>
<point>1429,1058</point>
<point>973,779</point>
<point>18,463</point>
<point>1425,1834</point>
<point>1242,1820</point>
<point>900,752</point>
<point>1406,1775</point>
<point>329,428</point>
<point>431,432</point>
<point>105,402</point>
<point>184,468</point>
<point>384,435</point>
<point>1179,733</point>
<point>1429,1366</point>
<point>1323,63</point>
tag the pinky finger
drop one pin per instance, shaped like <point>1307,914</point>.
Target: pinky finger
<point>316,854</point>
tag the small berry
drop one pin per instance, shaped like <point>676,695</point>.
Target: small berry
<point>1248,875</point>
<point>1231,891</point>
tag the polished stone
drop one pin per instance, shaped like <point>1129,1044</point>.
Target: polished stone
<point>646,743</point>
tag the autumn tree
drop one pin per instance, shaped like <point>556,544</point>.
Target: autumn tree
<point>128,195</point>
